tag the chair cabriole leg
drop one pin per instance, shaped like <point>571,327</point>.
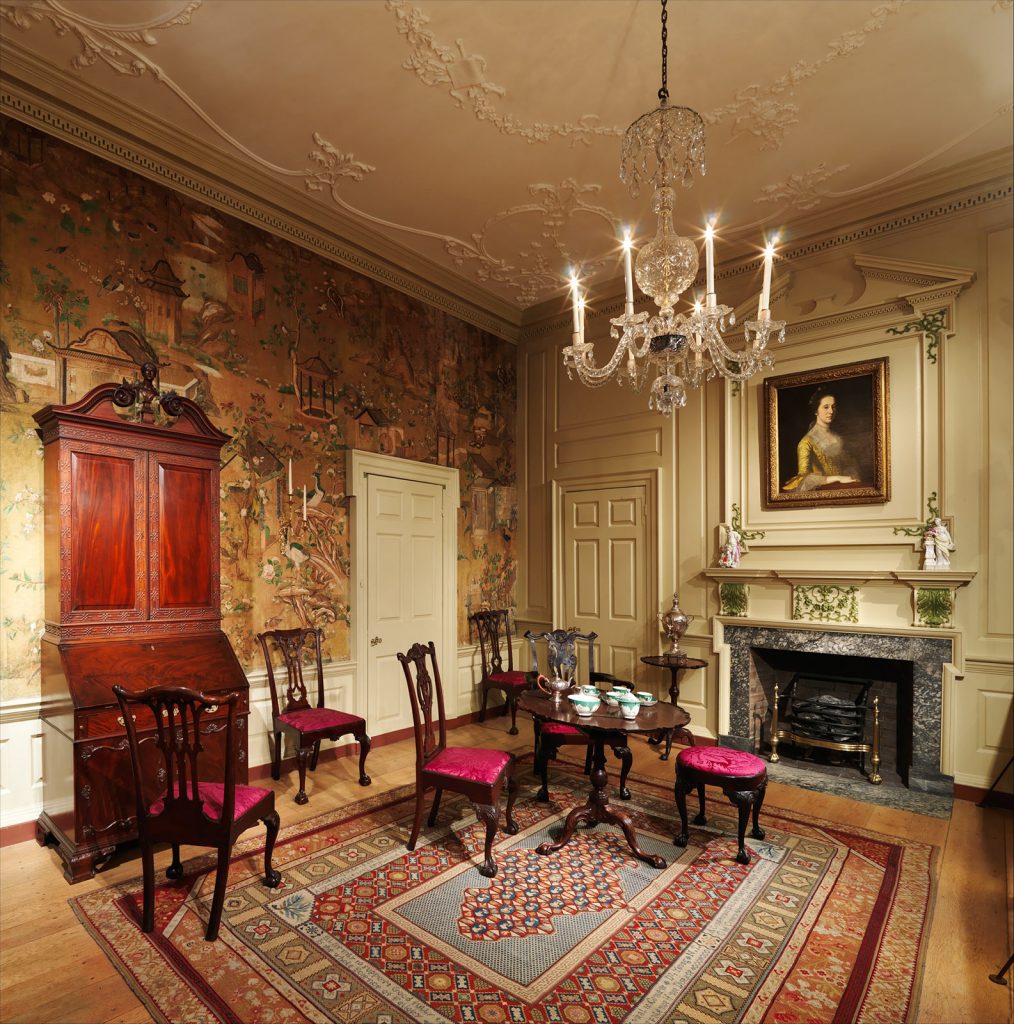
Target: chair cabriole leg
<point>364,749</point>
<point>512,700</point>
<point>757,832</point>
<point>302,756</point>
<point>702,818</point>
<point>512,794</point>
<point>490,814</point>
<point>316,754</point>
<point>626,759</point>
<point>744,800</point>
<point>272,878</point>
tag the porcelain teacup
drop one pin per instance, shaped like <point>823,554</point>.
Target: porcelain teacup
<point>629,705</point>
<point>584,703</point>
<point>644,697</point>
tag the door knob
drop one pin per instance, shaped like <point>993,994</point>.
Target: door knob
<point>376,640</point>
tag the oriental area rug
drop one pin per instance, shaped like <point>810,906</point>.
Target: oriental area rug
<point>827,923</point>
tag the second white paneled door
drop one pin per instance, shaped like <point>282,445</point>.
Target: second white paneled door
<point>404,589</point>
<point>606,572</point>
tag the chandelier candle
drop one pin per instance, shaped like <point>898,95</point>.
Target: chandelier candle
<point>709,256</point>
<point>765,296</point>
<point>665,148</point>
<point>628,275</point>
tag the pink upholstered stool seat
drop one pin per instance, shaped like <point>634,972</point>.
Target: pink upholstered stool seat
<point>720,761</point>
<point>743,777</point>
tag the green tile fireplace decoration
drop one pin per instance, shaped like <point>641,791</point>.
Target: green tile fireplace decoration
<point>733,598</point>
<point>933,606</point>
<point>824,603</point>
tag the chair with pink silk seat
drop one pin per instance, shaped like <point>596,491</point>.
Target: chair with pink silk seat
<point>479,774</point>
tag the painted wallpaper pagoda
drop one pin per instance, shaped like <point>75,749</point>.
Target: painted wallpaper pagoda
<point>295,357</point>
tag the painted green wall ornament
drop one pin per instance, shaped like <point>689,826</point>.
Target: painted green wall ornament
<point>931,324</point>
<point>825,603</point>
<point>733,599</point>
<point>934,605</point>
<point>920,530</point>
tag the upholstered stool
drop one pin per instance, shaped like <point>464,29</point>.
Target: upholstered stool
<point>742,777</point>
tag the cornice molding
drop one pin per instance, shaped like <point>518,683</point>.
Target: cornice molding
<point>65,106</point>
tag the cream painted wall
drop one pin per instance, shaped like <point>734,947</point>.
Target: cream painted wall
<point>951,433</point>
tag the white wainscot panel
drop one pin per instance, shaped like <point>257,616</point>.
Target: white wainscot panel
<point>20,762</point>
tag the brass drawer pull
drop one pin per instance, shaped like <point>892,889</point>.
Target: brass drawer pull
<point>211,708</point>
<point>120,721</point>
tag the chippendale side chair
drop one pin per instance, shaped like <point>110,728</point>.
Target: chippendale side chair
<point>492,626</point>
<point>477,773</point>
<point>189,811</point>
<point>561,663</point>
<point>306,724</point>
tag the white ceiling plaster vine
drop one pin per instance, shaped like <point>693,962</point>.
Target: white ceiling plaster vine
<point>463,75</point>
<point>755,109</point>
<point>555,205</point>
<point>801,191</point>
<point>98,41</point>
<point>116,46</point>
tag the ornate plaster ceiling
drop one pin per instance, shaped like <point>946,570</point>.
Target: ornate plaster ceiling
<point>482,139</point>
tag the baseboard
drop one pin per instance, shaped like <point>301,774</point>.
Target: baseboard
<point>998,798</point>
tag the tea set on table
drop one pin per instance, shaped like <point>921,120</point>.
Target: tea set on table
<point>586,699</point>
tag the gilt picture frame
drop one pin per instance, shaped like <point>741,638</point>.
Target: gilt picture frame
<point>827,437</point>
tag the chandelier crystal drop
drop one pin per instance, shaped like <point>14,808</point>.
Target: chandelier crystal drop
<point>685,350</point>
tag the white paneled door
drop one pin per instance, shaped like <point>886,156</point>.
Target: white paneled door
<point>606,562</point>
<point>404,589</point>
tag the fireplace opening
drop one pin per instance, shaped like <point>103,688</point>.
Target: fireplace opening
<point>825,711</point>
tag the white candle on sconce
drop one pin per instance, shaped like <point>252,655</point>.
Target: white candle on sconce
<point>628,273</point>
<point>304,503</point>
<point>709,255</point>
<point>580,330</point>
<point>290,477</point>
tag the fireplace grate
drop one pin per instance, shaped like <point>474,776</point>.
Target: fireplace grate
<point>826,720</point>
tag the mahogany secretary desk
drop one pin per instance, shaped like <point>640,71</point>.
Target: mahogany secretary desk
<point>132,597</point>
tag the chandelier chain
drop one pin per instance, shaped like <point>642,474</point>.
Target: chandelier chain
<point>663,93</point>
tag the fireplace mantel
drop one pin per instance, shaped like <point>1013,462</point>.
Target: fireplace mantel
<point>936,655</point>
<point>831,596</point>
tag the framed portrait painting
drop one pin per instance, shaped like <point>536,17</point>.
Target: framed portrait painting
<point>827,437</point>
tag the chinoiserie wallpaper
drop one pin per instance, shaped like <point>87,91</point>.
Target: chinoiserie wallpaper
<point>293,356</point>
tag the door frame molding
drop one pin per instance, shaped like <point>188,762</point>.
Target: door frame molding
<point>650,479</point>
<point>360,466</point>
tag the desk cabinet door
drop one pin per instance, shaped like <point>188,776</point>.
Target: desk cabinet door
<point>184,547</point>
<point>100,533</point>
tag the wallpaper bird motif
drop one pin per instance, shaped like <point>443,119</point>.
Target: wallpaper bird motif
<point>293,356</point>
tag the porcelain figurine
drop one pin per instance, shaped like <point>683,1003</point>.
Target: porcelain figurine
<point>937,546</point>
<point>731,551</point>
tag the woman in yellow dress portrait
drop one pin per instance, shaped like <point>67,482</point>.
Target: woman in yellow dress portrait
<point>822,457</point>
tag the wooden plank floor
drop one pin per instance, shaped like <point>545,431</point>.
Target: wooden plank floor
<point>51,971</point>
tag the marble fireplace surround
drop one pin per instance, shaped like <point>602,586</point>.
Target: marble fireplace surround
<point>931,656</point>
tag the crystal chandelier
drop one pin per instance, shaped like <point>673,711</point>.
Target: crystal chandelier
<point>683,349</point>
